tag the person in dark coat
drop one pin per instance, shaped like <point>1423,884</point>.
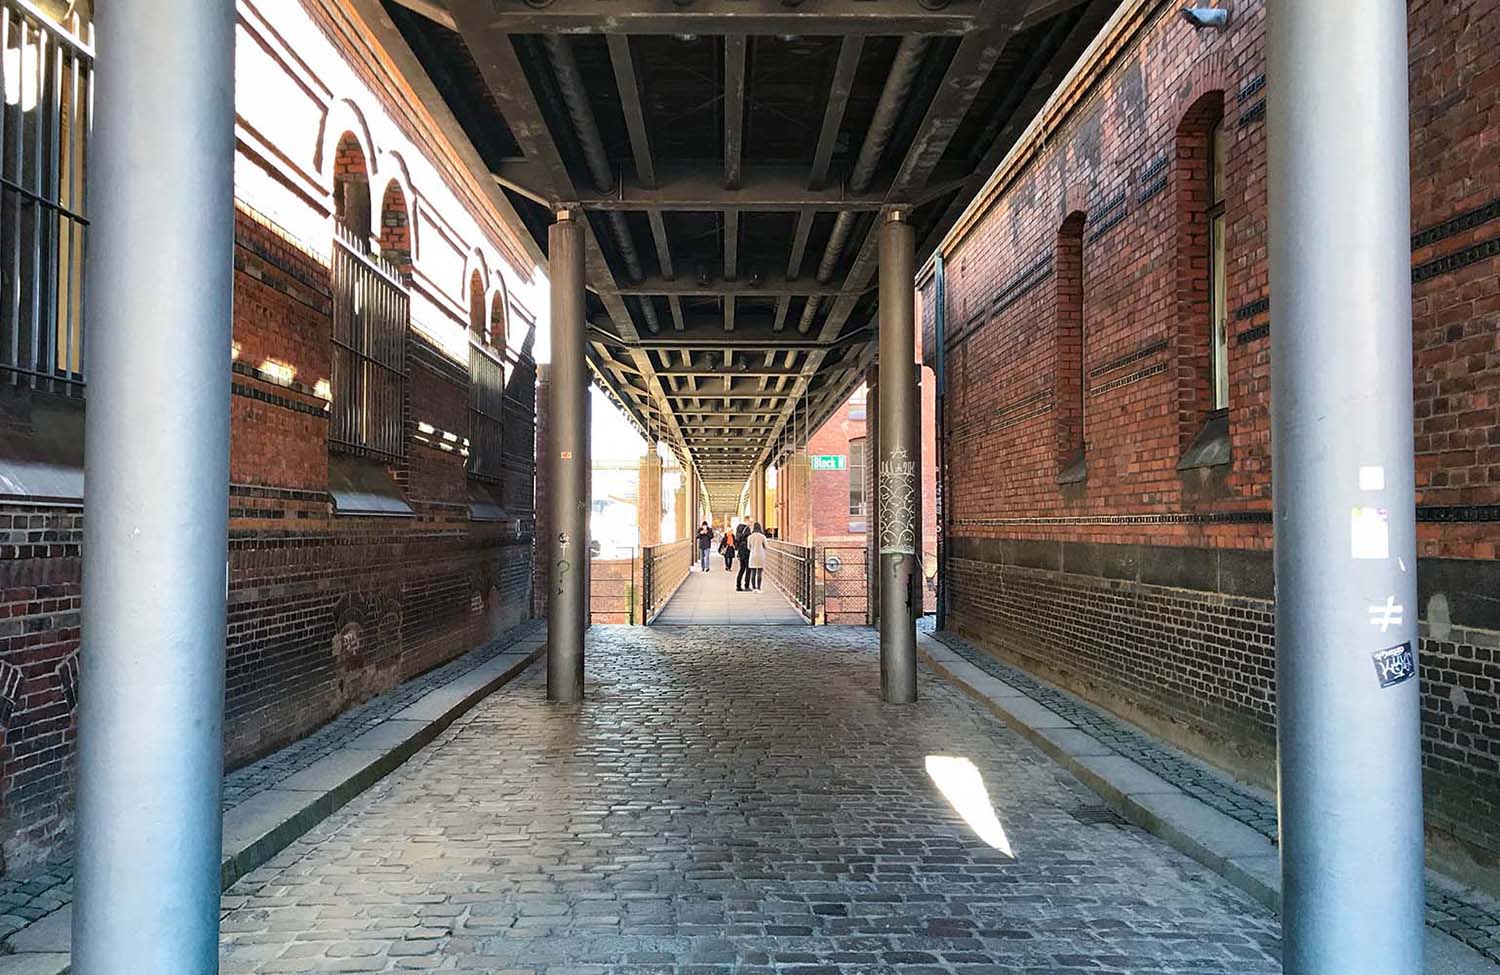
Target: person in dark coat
<point>742,549</point>
<point>705,542</point>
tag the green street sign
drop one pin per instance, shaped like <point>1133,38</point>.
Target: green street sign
<point>829,462</point>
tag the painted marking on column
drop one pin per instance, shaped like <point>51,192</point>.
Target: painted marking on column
<point>898,531</point>
<point>1372,478</point>
<point>1369,533</point>
<point>1387,616</point>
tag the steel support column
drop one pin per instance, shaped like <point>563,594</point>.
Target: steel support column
<point>150,754</point>
<point>568,462</point>
<point>899,490</point>
<point>1341,401</point>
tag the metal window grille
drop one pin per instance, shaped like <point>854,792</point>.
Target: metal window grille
<point>486,412</point>
<point>371,308</point>
<point>46,100</point>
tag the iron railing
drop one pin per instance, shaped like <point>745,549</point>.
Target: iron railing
<point>846,582</point>
<point>792,569</point>
<point>46,107</point>
<point>371,310</point>
<point>663,570</point>
<point>486,412</point>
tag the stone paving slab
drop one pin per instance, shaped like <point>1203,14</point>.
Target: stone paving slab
<point>1228,836</point>
<point>280,797</point>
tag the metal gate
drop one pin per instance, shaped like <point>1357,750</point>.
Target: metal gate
<point>846,584</point>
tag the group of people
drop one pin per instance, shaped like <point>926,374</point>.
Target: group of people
<point>746,543</point>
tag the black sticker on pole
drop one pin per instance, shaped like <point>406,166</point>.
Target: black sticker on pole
<point>1394,664</point>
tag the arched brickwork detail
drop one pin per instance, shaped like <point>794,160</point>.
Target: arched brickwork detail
<point>351,186</point>
<point>1192,160</point>
<point>1069,337</point>
<point>395,227</point>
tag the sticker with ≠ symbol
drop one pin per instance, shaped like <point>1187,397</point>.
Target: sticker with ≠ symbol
<point>1388,615</point>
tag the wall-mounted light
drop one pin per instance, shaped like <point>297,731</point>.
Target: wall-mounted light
<point>1201,17</point>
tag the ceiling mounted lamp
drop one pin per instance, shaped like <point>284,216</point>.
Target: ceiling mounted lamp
<point>1201,17</point>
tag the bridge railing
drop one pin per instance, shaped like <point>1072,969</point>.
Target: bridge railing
<point>793,570</point>
<point>663,570</point>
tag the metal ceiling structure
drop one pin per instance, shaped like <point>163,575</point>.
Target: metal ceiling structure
<point>731,158</point>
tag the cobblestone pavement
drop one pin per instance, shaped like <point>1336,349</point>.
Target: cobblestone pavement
<point>29,895</point>
<point>1464,914</point>
<point>745,805</point>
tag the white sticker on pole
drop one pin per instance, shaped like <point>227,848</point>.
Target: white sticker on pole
<point>1369,533</point>
<point>1372,478</point>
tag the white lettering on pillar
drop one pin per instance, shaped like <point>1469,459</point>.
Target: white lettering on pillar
<point>898,489</point>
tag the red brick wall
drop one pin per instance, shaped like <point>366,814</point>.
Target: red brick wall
<point>1092,583</point>
<point>324,610</point>
<point>829,490</point>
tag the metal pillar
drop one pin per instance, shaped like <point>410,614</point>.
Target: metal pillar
<point>899,489</point>
<point>150,754</point>
<point>568,459</point>
<point>1341,400</point>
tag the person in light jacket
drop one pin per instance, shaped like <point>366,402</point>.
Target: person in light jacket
<point>757,545</point>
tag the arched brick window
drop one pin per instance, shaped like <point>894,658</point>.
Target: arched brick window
<point>371,311</point>
<point>486,384</point>
<point>395,228</point>
<point>1070,378</point>
<point>499,320</point>
<point>351,188</point>
<point>1202,340</point>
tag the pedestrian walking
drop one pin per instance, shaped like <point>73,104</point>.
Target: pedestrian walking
<point>742,549</point>
<point>705,542</point>
<point>726,549</point>
<point>756,542</point>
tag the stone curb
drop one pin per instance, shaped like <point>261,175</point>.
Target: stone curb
<point>1221,843</point>
<point>269,821</point>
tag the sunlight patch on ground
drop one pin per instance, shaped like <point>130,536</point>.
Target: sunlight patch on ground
<point>962,785</point>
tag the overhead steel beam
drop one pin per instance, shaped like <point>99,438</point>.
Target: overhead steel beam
<point>799,244</point>
<point>966,74</point>
<point>735,46</point>
<point>751,339</point>
<point>630,103</point>
<point>749,372</point>
<point>683,186</point>
<point>746,391</point>
<point>716,17</point>
<point>433,10</point>
<point>1060,48</point>
<point>833,115</point>
<point>663,245</point>
<point>498,64</point>
<point>770,288</point>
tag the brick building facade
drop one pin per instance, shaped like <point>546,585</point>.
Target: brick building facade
<point>1107,472</point>
<point>381,499</point>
